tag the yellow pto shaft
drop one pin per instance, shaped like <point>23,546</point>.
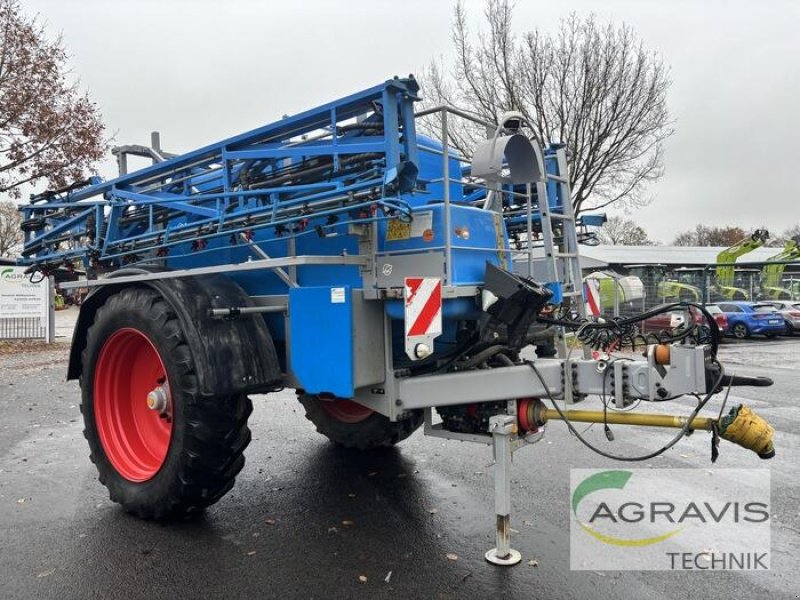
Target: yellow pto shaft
<point>617,418</point>
<point>741,425</point>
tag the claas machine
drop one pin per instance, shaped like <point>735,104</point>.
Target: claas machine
<point>725,269</point>
<point>340,253</point>
<point>772,272</point>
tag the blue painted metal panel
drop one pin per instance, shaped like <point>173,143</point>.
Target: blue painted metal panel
<point>557,290</point>
<point>595,220</point>
<point>475,240</point>
<point>321,320</point>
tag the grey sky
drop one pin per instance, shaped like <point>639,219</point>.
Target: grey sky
<point>201,70</point>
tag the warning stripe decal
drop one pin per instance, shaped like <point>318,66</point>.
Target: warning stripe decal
<point>413,285</point>
<point>591,295</point>
<point>432,307</point>
<point>423,306</point>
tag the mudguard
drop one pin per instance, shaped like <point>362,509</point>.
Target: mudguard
<point>231,356</point>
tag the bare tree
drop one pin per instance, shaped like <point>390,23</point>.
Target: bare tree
<point>10,232</point>
<point>791,233</point>
<point>704,235</point>
<point>49,130</point>
<point>618,231</point>
<point>593,87</point>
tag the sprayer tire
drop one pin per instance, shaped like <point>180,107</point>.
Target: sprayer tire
<point>154,469</point>
<point>350,425</point>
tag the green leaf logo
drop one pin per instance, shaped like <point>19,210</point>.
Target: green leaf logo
<point>603,481</point>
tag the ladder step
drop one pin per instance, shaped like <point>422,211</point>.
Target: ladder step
<point>557,178</point>
<point>569,272</point>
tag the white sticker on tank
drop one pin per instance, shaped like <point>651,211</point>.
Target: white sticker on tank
<point>421,223</point>
<point>337,296</point>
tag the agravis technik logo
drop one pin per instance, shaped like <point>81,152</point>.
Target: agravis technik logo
<point>648,519</point>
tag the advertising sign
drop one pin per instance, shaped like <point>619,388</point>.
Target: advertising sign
<point>25,306</point>
<point>19,298</point>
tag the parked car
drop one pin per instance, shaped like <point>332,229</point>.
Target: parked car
<point>790,309</point>
<point>719,317</point>
<point>752,318</point>
<point>673,319</point>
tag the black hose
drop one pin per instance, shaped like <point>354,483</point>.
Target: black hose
<point>503,358</point>
<point>480,357</point>
<point>684,430</point>
<point>623,327</point>
<point>742,380</point>
<point>541,335</point>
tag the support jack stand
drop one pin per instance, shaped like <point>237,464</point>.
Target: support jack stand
<point>502,427</point>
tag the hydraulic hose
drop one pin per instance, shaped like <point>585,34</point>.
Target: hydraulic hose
<point>742,380</point>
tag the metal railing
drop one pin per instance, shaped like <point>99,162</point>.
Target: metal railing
<point>527,246</point>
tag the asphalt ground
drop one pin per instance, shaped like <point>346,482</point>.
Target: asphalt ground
<point>308,520</point>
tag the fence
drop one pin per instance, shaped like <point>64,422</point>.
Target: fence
<point>27,307</point>
<point>636,289</point>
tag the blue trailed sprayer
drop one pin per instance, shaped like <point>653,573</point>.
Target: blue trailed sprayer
<point>395,280</point>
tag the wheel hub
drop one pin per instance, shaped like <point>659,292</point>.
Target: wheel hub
<point>158,399</point>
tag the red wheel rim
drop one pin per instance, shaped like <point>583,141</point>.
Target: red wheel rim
<point>135,437</point>
<point>346,411</point>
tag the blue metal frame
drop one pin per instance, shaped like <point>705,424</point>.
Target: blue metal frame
<point>356,160</point>
<point>208,193</point>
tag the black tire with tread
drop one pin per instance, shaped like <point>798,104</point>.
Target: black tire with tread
<point>374,432</point>
<point>209,433</point>
<point>740,327</point>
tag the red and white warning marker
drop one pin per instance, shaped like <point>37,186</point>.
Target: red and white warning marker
<point>423,314</point>
<point>591,295</point>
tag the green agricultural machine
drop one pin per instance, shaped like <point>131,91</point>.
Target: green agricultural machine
<point>725,288</point>
<point>772,273</point>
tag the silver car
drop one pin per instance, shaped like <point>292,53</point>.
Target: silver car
<point>790,309</point>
